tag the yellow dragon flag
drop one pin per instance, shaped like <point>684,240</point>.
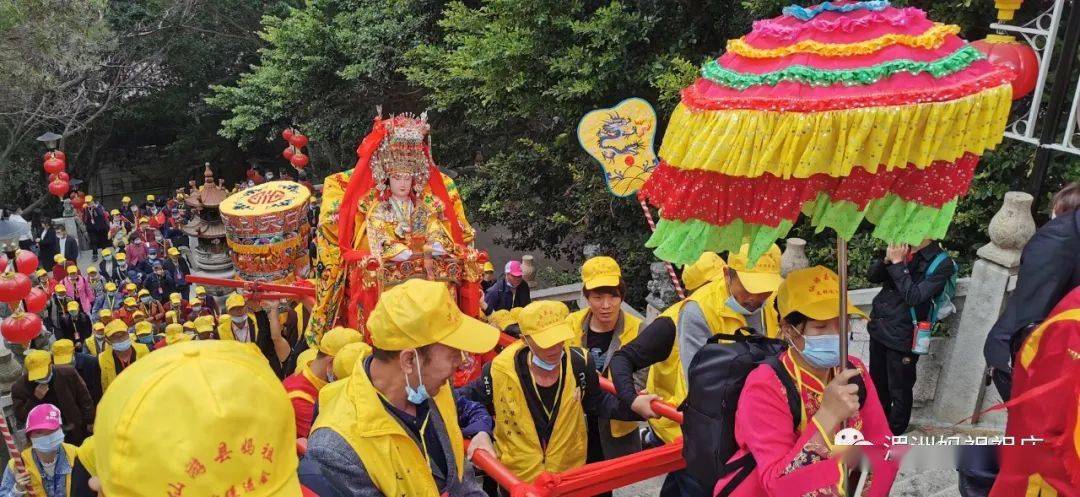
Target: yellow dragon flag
<point>621,138</point>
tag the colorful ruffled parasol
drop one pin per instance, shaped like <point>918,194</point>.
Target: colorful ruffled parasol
<point>842,112</point>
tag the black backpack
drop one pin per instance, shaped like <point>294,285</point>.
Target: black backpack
<point>715,380</point>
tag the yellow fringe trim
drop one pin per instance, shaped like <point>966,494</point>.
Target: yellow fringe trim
<point>750,143</point>
<point>930,39</point>
<point>275,249</point>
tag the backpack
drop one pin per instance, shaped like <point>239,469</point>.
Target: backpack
<point>941,306</point>
<point>715,380</point>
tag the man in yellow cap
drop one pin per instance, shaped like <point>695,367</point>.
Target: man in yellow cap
<point>174,334</point>
<point>120,352</point>
<point>96,342</point>
<point>209,306</point>
<point>602,328</point>
<point>303,387</point>
<point>144,334</point>
<point>127,311</point>
<point>109,299</point>
<point>670,342</point>
<point>505,321</point>
<point>708,267</point>
<point>178,269</point>
<point>539,391</point>
<point>74,324</point>
<point>42,383</point>
<point>153,309</point>
<point>96,281</point>
<point>97,225</point>
<point>489,276</point>
<point>206,328</point>
<point>178,305</point>
<point>244,446</point>
<point>398,401</point>
<point>66,356</point>
<point>42,280</point>
<point>57,307</point>
<point>261,327</point>
<point>129,210</point>
<point>109,268</point>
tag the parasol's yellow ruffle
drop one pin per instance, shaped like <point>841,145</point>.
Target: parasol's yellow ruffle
<point>749,143</point>
<point>929,40</point>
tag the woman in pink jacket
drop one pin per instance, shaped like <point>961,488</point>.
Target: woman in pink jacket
<point>78,288</point>
<point>803,460</point>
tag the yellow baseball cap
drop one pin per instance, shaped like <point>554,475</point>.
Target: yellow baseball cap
<point>763,276</point>
<point>120,256</point>
<point>489,267</point>
<point>89,198</point>
<point>215,439</point>
<point>105,252</point>
<point>37,364</point>
<point>115,212</point>
<point>131,287</point>
<point>420,312</point>
<point>151,197</point>
<point>199,290</point>
<point>346,358</point>
<point>204,324</point>
<point>110,287</point>
<point>173,251</point>
<point>126,199</point>
<point>92,269</point>
<point>189,325</point>
<point>138,315</point>
<point>58,258</point>
<point>175,298</point>
<point>105,313</point>
<point>707,268</point>
<point>235,300</point>
<point>174,333</point>
<point>545,322</point>
<point>599,272</point>
<point>501,319</point>
<point>63,351</point>
<point>40,272</point>
<point>72,306</point>
<point>170,315</point>
<point>144,219</point>
<point>224,318</point>
<point>60,288</point>
<point>332,341</point>
<point>813,292</point>
<point>72,269</point>
<point>305,358</point>
<point>129,301</point>
<point>144,293</point>
<point>143,328</point>
<point>99,326</point>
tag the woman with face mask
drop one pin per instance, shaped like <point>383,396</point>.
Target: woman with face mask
<point>48,461</point>
<point>811,457</point>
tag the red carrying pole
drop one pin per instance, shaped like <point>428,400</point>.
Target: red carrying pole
<point>658,406</point>
<point>606,476</point>
<point>13,451</point>
<point>252,286</point>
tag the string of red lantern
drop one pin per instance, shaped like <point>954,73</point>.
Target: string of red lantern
<point>55,163</point>
<point>293,152</point>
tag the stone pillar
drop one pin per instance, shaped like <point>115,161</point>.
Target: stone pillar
<point>661,291</point>
<point>528,269</point>
<point>991,279</point>
<point>794,256</point>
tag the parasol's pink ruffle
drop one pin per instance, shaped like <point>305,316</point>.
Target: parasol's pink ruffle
<point>832,27</point>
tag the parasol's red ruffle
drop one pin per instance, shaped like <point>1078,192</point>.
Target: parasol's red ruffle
<point>720,199</point>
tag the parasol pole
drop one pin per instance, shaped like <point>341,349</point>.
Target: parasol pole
<point>13,451</point>
<point>670,269</point>
<point>842,266</point>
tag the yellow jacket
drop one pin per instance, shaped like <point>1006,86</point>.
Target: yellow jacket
<point>390,456</point>
<point>35,474</point>
<point>515,432</point>
<point>224,329</point>
<point>667,378</point>
<point>631,325</point>
<point>108,365</point>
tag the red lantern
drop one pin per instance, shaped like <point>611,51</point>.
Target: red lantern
<point>54,165</point>
<point>298,140</point>
<point>58,154</point>
<point>62,176</point>
<point>59,188</point>
<point>1019,57</point>
<point>26,262</point>
<point>3,263</point>
<point>14,286</point>
<point>35,300</point>
<point>288,153</point>
<point>21,327</point>
<point>287,134</point>
<point>299,160</point>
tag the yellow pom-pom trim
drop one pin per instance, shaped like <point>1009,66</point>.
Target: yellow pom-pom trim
<point>750,143</point>
<point>930,39</point>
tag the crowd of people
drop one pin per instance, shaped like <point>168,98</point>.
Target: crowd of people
<point>144,386</point>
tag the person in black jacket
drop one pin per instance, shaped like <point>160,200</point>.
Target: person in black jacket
<point>159,283</point>
<point>509,292</point>
<point>97,225</point>
<point>177,267</point>
<point>74,324</point>
<point>905,287</point>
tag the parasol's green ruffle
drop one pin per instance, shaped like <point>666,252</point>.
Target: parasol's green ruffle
<point>896,221</point>
<point>954,62</point>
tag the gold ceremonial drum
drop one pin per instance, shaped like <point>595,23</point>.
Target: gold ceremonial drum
<point>268,231</point>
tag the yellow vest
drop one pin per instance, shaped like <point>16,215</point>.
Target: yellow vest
<point>91,346</point>
<point>515,433</point>
<point>391,457</point>
<point>35,474</point>
<point>225,329</point>
<point>108,365</point>
<point>666,378</point>
<point>631,326</point>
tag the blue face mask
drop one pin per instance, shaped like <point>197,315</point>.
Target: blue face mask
<point>48,443</point>
<point>546,366</point>
<point>736,306</point>
<point>122,346</point>
<point>822,351</point>
<point>419,394</point>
